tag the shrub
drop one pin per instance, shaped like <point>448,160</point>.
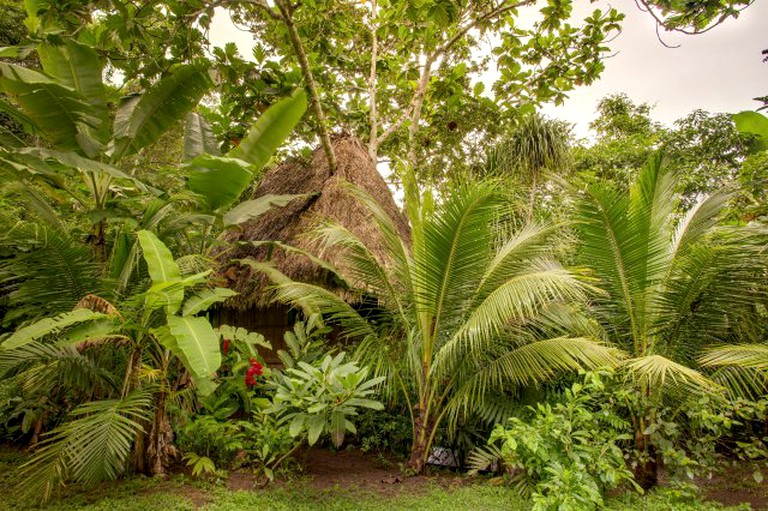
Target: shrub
<point>567,454</point>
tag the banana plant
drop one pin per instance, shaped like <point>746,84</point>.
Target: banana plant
<point>162,339</point>
<point>219,181</point>
<point>67,105</point>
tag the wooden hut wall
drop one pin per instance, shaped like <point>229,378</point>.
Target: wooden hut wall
<point>271,322</point>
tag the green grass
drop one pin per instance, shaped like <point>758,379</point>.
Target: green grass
<point>175,494</point>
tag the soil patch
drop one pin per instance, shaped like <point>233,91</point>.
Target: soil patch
<point>736,484</point>
<point>327,470</point>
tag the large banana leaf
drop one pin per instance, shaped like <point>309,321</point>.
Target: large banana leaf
<point>196,344</point>
<point>271,130</point>
<point>139,123</point>
<point>56,110</point>
<point>219,181</point>
<point>76,66</point>
<point>163,270</point>
<point>204,299</point>
<point>198,137</point>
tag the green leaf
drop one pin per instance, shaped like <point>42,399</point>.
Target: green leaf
<point>297,425</point>
<point>139,123</point>
<point>74,160</point>
<point>160,263</point>
<point>198,137</point>
<point>196,345</point>
<point>271,130</point>
<point>756,124</point>
<point>219,181</point>
<point>204,299</point>
<point>48,326</point>
<point>77,66</point>
<point>58,111</point>
<point>250,209</point>
<point>314,428</point>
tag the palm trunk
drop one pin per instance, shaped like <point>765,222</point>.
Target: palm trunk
<point>417,461</point>
<point>647,470</point>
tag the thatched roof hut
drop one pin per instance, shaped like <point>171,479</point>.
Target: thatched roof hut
<point>289,224</point>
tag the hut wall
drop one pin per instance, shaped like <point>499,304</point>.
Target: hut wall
<point>271,322</point>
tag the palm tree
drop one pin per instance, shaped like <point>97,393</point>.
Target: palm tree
<point>673,285</point>
<point>456,311</point>
<point>536,146</point>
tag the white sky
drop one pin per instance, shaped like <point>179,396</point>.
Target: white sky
<point>720,71</point>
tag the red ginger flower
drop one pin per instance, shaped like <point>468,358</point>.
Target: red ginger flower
<point>225,346</point>
<point>255,370</point>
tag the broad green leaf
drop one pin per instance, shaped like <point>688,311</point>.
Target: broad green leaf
<point>753,123</point>
<point>162,268</point>
<point>338,428</point>
<point>198,137</point>
<point>196,344</point>
<point>83,164</point>
<point>297,425</point>
<point>204,299</point>
<point>271,130</point>
<point>219,181</point>
<point>58,111</point>
<point>48,326</point>
<point>314,428</point>
<point>140,123</point>
<point>250,209</point>
<point>18,116</point>
<point>77,66</point>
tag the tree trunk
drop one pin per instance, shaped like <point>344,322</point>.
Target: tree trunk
<point>417,461</point>
<point>286,12</point>
<point>159,449</point>
<point>647,470</point>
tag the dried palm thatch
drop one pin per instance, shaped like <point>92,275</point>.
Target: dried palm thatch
<point>290,224</point>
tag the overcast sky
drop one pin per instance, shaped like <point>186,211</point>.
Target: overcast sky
<point>720,71</point>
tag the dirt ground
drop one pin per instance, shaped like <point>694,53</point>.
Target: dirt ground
<point>325,470</point>
<point>736,484</point>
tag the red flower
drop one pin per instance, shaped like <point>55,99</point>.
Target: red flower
<point>225,346</point>
<point>255,370</point>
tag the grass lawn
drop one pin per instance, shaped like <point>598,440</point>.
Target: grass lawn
<point>181,493</point>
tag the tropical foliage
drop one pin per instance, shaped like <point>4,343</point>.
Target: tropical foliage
<point>461,316</point>
<point>673,285</point>
<point>129,148</point>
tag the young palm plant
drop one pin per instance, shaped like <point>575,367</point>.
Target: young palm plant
<point>151,340</point>
<point>674,285</point>
<point>456,310</point>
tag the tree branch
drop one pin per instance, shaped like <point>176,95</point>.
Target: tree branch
<point>286,12</point>
<point>373,143</point>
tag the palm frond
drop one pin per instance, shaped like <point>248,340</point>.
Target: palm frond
<point>94,446</point>
<point>660,374</point>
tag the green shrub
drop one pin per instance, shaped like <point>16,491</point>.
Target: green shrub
<point>567,454</point>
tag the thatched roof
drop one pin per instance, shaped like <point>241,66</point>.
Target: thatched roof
<point>289,224</point>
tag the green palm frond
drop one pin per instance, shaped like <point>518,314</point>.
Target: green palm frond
<point>48,369</point>
<point>531,363</point>
<point>659,373</point>
<point>94,446</point>
<point>749,356</point>
<point>48,274</point>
